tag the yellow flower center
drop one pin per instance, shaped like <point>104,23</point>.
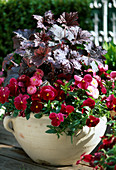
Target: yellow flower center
<point>90,90</point>
<point>91,120</point>
<point>21,102</point>
<point>3,95</point>
<point>36,107</point>
<point>47,94</point>
<point>60,97</point>
<point>33,79</point>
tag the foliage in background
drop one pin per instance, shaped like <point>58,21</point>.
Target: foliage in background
<point>110,55</point>
<point>17,14</point>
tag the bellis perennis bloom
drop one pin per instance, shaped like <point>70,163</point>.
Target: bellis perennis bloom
<point>35,81</point>
<point>31,89</point>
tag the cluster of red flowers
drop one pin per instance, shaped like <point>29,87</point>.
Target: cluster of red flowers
<point>21,89</point>
<point>24,90</point>
<point>104,157</point>
<point>100,155</point>
<point>111,102</point>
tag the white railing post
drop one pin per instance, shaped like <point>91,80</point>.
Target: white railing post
<point>114,3</point>
<point>96,21</point>
<point>105,19</point>
<point>113,32</point>
<point>102,35</point>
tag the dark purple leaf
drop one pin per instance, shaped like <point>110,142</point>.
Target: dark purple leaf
<point>39,21</point>
<point>12,73</point>
<point>83,36</point>
<point>26,67</point>
<point>95,52</point>
<point>16,42</point>
<point>41,37</point>
<point>7,60</point>
<point>21,52</point>
<point>76,64</point>
<point>40,55</point>
<point>23,35</point>
<point>27,44</point>
<point>82,52</point>
<point>49,17</point>
<point>68,19</point>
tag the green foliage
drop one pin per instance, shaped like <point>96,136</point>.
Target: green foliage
<point>110,55</point>
<point>16,14</point>
<point>38,115</point>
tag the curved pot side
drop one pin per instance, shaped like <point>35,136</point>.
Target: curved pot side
<point>47,148</point>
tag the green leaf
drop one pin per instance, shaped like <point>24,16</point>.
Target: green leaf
<point>50,126</point>
<point>73,93</point>
<point>51,131</point>
<point>58,109</point>
<point>28,116</point>
<point>87,107</point>
<point>15,113</point>
<point>38,115</point>
<point>46,111</point>
<point>70,82</point>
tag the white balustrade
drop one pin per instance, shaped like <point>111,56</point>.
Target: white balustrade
<point>96,30</point>
<point>105,19</point>
<point>114,3</point>
<point>102,35</point>
<point>113,32</point>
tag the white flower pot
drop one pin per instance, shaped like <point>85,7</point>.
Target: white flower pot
<point>47,148</point>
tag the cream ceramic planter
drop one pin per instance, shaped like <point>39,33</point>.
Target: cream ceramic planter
<point>47,148</point>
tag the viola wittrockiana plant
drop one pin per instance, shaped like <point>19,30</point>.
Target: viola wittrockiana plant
<point>105,156</point>
<point>61,74</point>
<point>70,104</point>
